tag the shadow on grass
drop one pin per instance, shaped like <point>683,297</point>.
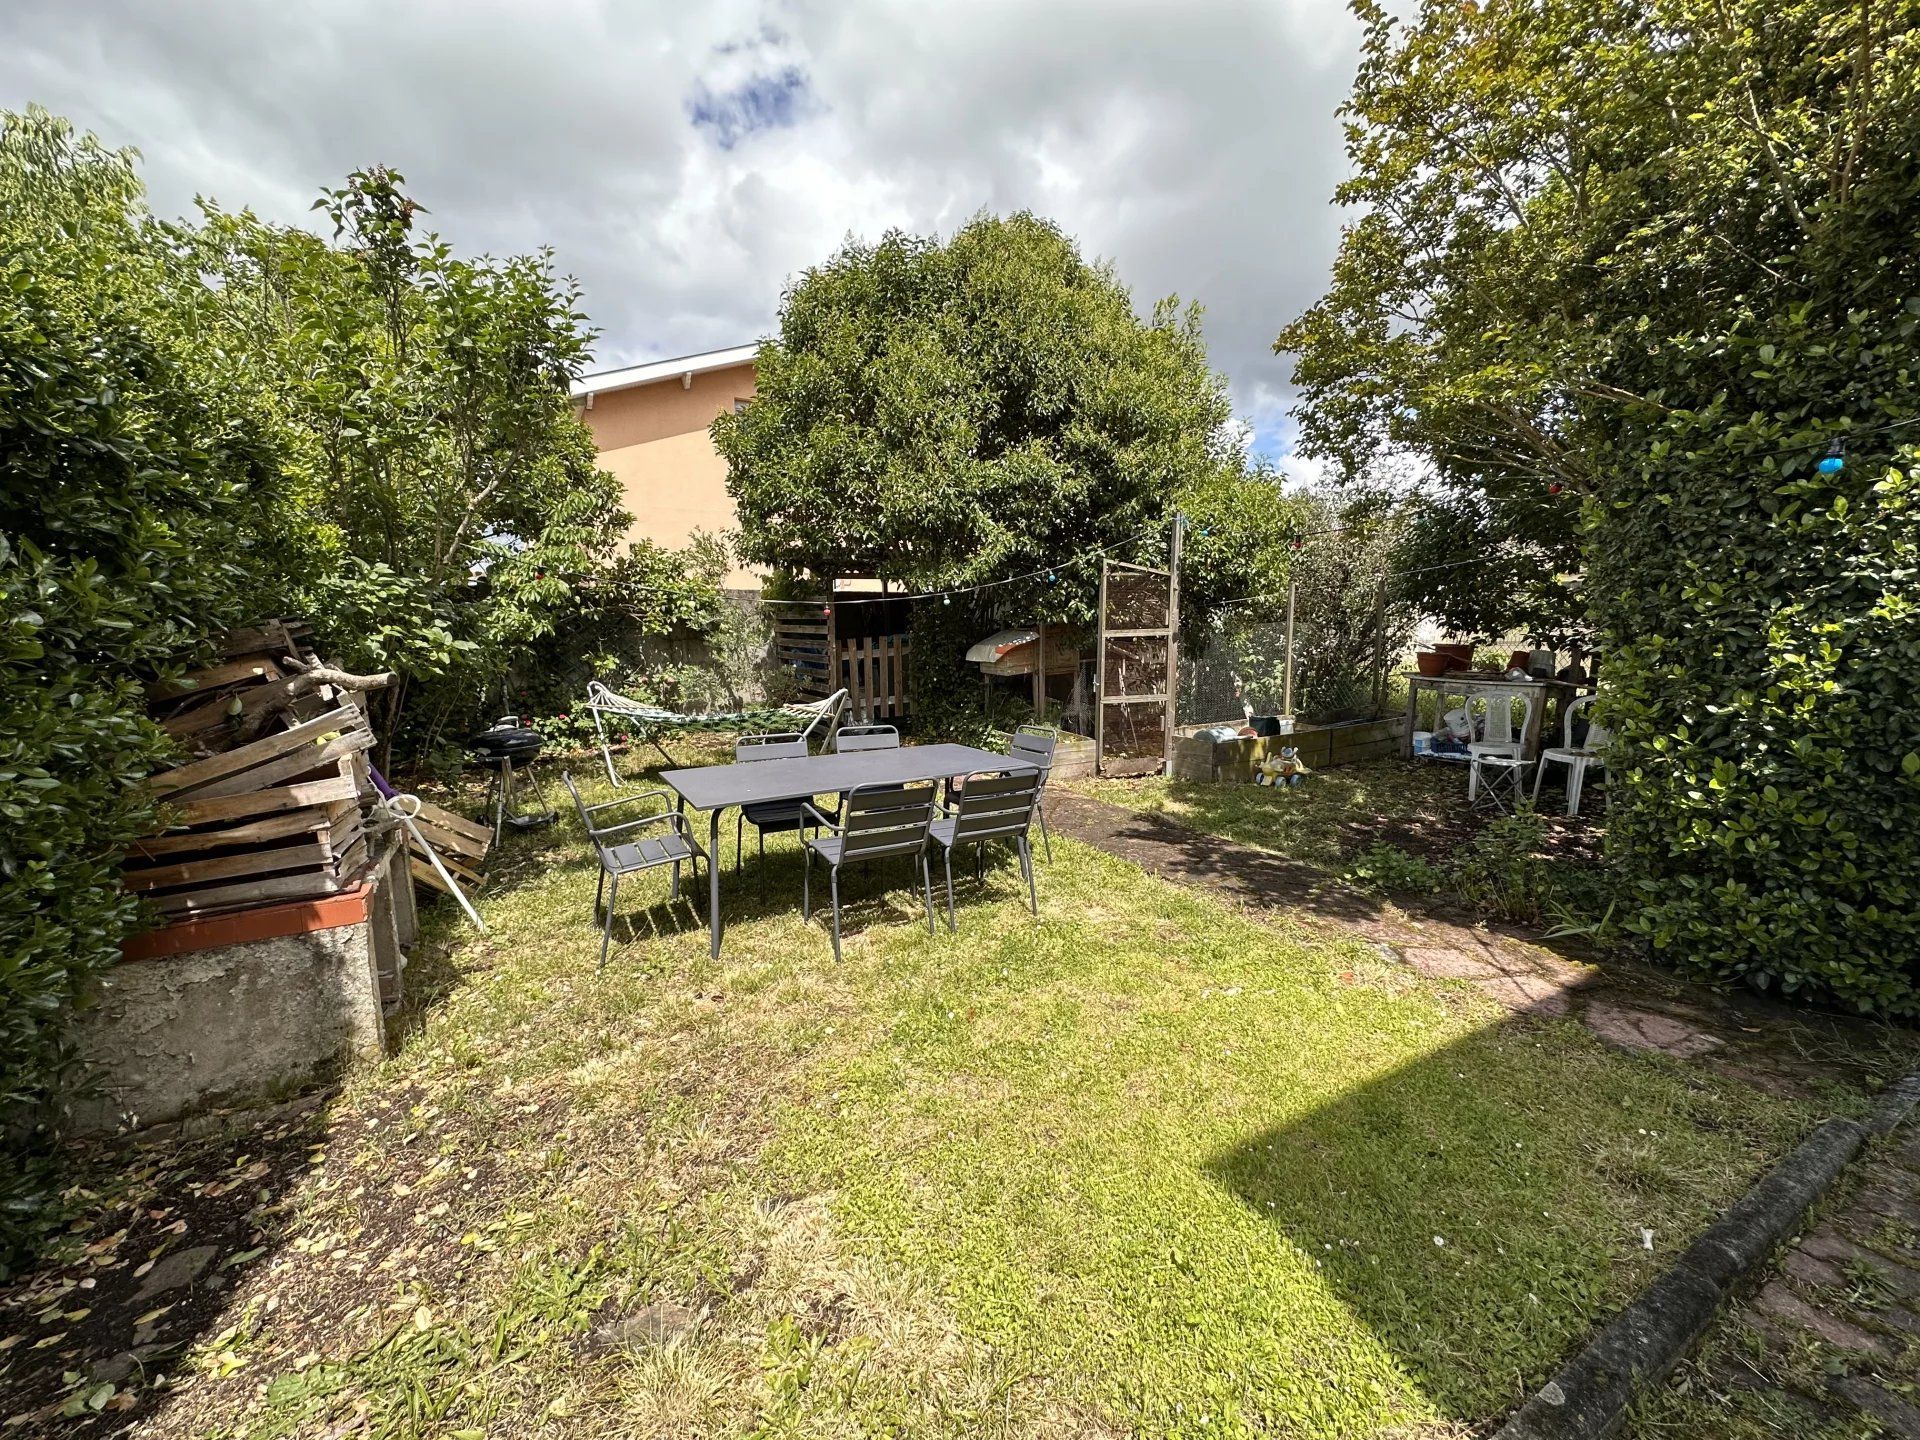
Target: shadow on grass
<point>169,1225</point>
<point>1472,1224</point>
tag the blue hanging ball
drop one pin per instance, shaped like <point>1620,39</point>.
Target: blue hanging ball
<point>1831,465</point>
<point>1049,577</point>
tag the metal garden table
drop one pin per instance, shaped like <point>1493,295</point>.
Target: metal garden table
<point>714,788</point>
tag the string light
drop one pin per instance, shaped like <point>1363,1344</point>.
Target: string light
<point>1834,461</point>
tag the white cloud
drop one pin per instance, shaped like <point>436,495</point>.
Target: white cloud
<point>685,162</point>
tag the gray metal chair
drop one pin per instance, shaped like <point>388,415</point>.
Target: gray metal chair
<point>1034,745</point>
<point>774,815</point>
<point>874,821</point>
<point>850,738</point>
<point>620,858</point>
<point>991,807</point>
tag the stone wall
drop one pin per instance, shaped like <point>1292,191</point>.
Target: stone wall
<point>243,1009</point>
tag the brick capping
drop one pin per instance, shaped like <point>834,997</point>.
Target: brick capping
<point>265,922</point>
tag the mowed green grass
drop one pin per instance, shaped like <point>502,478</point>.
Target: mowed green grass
<point>1143,1165</point>
<point>1322,821</point>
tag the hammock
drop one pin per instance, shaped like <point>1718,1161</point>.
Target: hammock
<point>648,720</point>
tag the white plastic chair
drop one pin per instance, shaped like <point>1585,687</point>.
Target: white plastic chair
<point>1577,758</point>
<point>1497,735</point>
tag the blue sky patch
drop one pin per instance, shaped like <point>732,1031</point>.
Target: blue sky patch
<point>762,102</point>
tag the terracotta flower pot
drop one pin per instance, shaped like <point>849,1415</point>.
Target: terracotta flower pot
<point>1432,662</point>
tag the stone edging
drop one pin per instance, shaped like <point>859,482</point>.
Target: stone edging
<point>1591,1394</point>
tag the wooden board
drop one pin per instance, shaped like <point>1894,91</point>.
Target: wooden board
<point>302,821</point>
<point>306,855</point>
<point>474,830</point>
<point>427,875</point>
<point>277,636</point>
<point>449,843</point>
<point>246,669</point>
<point>186,777</point>
<point>453,864</point>
<point>241,711</point>
<point>304,763</point>
<point>268,890</point>
<point>266,802</point>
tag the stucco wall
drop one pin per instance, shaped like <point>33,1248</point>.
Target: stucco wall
<point>653,439</point>
<point>236,1024</point>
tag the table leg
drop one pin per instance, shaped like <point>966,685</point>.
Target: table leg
<point>713,882</point>
<point>1413,719</point>
<point>1530,737</point>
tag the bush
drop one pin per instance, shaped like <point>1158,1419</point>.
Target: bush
<point>1382,867</point>
<point>135,480</point>
<point>1764,662</point>
<point>1501,873</point>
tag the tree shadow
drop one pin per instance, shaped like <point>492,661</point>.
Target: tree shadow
<point>1465,1211</point>
<point>167,1226</point>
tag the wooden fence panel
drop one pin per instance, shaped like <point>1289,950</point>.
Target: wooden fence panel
<point>874,672</point>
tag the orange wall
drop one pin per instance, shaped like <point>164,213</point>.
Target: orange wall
<point>653,440</point>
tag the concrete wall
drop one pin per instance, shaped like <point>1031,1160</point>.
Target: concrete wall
<point>178,1030</point>
<point>653,439</point>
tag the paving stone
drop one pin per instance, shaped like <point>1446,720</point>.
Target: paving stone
<point>1812,1270</point>
<point>1528,994</point>
<point>1648,1030</point>
<point>170,1272</point>
<point>1778,1300</point>
<point>1887,1408</point>
<point>1447,963</point>
<point>1829,1246</point>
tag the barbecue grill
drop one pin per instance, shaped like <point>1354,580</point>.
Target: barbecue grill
<point>509,750</point>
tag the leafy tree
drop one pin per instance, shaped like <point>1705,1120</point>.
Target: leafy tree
<point>446,503</point>
<point>135,476</point>
<point>1623,272</point>
<point>943,414</point>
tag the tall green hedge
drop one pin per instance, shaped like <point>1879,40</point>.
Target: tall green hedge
<point>1762,640</point>
<point>132,480</point>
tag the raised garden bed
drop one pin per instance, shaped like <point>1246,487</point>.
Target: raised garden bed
<point>1199,757</point>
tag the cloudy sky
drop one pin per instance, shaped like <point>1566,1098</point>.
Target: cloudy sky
<point>684,160</point>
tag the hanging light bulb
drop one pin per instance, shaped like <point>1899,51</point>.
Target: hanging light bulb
<point>1555,488</point>
<point>1834,461</point>
<point>946,599</point>
<point>1049,577</point>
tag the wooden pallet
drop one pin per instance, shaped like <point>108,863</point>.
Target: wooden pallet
<point>276,818</point>
<point>461,844</point>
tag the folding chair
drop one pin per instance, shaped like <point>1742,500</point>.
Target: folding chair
<point>874,821</point>
<point>619,859</point>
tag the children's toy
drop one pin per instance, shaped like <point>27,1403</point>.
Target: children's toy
<point>1285,769</point>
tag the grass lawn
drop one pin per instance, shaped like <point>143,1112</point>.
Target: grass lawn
<point>1142,1166</point>
<point>1415,804</point>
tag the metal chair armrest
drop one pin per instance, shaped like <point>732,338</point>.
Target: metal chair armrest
<point>819,818</point>
<point>673,819</point>
<point>665,796</point>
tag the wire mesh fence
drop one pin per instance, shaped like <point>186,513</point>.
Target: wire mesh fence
<point>1343,668</point>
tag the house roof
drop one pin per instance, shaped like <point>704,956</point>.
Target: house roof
<point>681,367</point>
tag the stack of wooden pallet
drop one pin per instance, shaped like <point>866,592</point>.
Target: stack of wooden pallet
<point>270,806</point>
<point>460,843</point>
